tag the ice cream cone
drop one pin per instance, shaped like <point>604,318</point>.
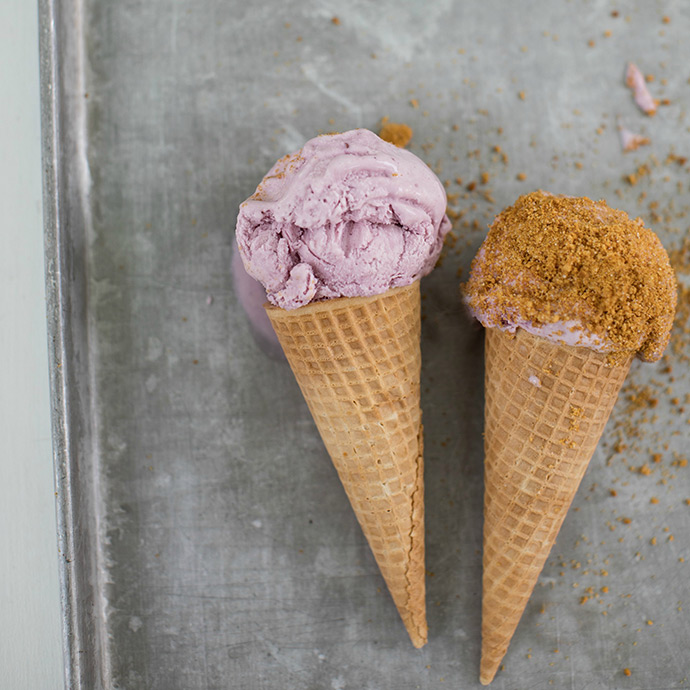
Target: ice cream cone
<point>357,361</point>
<point>546,408</point>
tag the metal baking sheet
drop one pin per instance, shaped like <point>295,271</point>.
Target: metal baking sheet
<point>204,536</point>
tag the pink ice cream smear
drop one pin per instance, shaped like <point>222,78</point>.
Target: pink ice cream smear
<point>635,80</point>
<point>631,141</point>
<point>348,215</point>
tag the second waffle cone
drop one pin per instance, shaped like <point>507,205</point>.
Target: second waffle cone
<point>546,408</point>
<point>357,361</point>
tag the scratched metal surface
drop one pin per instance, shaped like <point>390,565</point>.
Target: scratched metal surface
<point>207,542</point>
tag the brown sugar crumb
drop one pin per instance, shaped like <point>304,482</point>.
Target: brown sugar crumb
<point>575,415</point>
<point>522,95</point>
<point>645,469</point>
<point>521,176</point>
<point>414,103</point>
<point>549,258</point>
<point>335,21</point>
<point>395,133</point>
<point>613,492</point>
<point>654,500</point>
<point>627,672</point>
<point>640,398</point>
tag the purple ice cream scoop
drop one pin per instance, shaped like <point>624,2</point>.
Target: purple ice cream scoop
<point>348,215</point>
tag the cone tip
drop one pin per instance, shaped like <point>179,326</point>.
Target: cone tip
<point>418,633</point>
<point>485,677</point>
<point>487,671</point>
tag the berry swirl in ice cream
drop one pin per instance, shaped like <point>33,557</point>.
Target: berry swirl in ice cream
<point>348,215</point>
<point>576,272</point>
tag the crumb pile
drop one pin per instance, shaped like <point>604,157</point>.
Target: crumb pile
<point>550,258</point>
<point>397,133</point>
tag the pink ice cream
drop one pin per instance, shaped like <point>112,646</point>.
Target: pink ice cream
<point>348,215</point>
<point>636,81</point>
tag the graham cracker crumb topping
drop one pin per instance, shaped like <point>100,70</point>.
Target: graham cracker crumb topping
<point>549,258</point>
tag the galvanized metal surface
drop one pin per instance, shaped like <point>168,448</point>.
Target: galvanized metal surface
<point>207,542</point>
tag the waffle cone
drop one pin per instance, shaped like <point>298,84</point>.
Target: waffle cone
<point>546,408</point>
<point>357,361</point>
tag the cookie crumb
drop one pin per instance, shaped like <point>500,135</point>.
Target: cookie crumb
<point>396,133</point>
